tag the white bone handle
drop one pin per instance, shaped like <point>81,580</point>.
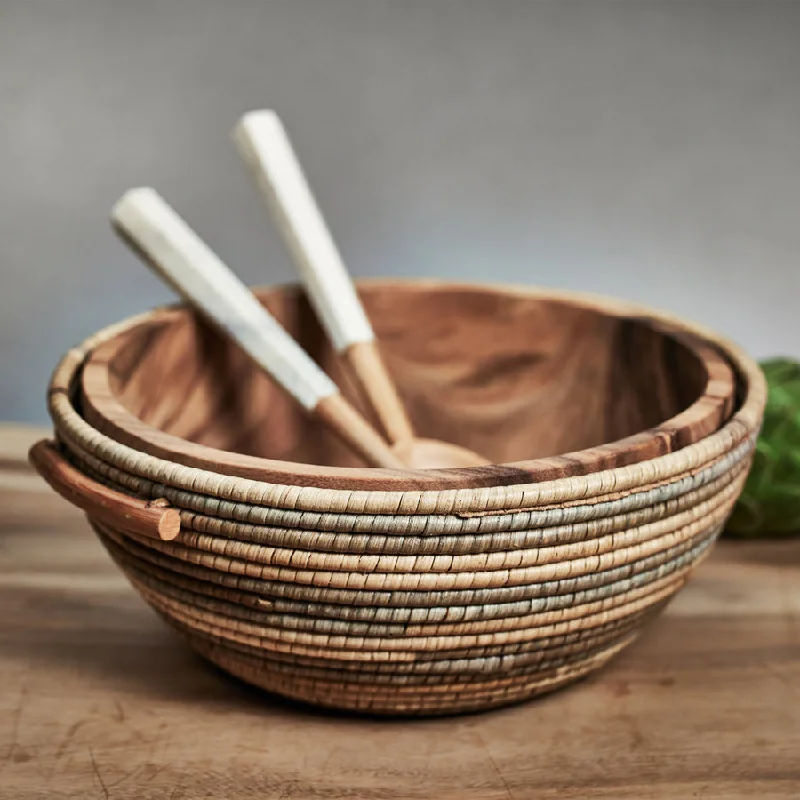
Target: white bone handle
<point>179,256</point>
<point>264,145</point>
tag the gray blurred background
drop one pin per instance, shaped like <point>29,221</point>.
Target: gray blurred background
<point>649,150</point>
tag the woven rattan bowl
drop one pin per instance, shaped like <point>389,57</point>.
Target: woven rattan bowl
<point>411,592</point>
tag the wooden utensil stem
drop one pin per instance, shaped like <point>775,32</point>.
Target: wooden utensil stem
<point>335,412</point>
<point>364,361</point>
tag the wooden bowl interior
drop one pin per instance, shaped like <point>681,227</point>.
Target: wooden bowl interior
<point>510,376</point>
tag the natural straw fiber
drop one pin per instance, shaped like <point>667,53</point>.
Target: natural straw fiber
<point>412,605</point>
<point>397,621</point>
<point>415,601</point>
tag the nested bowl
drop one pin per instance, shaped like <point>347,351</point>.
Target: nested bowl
<point>543,386</point>
<point>622,439</point>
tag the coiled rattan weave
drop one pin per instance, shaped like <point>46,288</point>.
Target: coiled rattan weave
<point>416,602</point>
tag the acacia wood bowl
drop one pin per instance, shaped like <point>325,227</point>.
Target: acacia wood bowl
<point>252,533</point>
<point>543,386</point>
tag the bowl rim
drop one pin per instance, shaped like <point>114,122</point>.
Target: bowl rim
<point>707,414</point>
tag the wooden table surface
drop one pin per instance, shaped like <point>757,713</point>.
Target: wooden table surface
<point>99,699</point>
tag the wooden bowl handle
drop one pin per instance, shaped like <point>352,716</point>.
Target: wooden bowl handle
<point>156,519</point>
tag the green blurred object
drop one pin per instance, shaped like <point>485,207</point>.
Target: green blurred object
<point>770,502</point>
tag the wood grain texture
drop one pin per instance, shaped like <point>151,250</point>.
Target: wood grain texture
<point>99,699</point>
<point>544,387</point>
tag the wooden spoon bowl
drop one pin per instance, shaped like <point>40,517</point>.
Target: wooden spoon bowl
<point>544,384</point>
